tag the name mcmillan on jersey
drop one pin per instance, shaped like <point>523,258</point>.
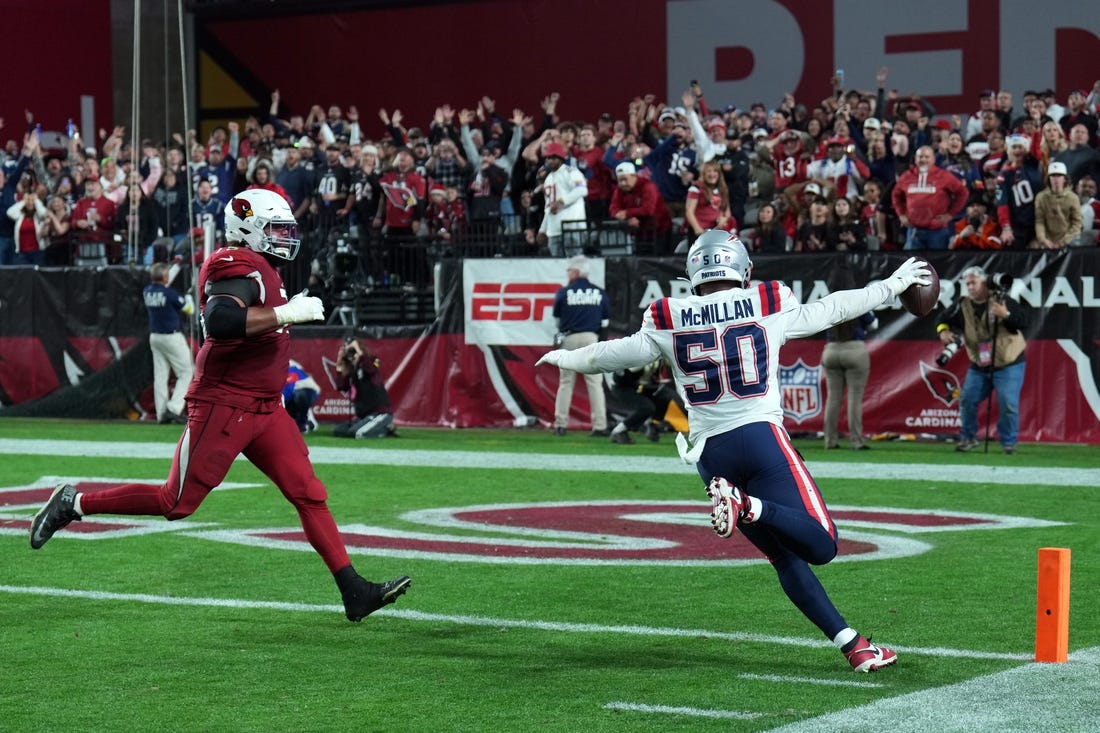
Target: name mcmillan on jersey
<point>717,313</point>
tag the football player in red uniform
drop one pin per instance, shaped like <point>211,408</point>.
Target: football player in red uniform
<point>235,401</point>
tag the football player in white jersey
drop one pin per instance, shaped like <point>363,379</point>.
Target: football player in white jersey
<point>722,343</point>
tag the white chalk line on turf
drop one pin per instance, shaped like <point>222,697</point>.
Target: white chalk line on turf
<point>670,710</point>
<point>559,626</point>
<point>807,680</point>
<point>926,472</point>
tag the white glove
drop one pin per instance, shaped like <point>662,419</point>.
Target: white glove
<point>913,270</point>
<point>551,357</point>
<point>188,305</point>
<point>302,308</point>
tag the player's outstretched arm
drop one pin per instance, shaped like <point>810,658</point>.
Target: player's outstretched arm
<point>844,305</point>
<point>605,356</point>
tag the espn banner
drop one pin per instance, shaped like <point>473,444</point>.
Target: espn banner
<point>68,342</point>
<point>511,301</point>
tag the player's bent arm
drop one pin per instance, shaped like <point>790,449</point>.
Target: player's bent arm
<point>229,312</point>
<point>227,317</point>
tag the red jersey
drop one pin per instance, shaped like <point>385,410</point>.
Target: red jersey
<point>600,180</point>
<point>103,206</point>
<point>708,208</point>
<point>403,191</point>
<point>643,201</point>
<point>789,169</point>
<point>241,371</point>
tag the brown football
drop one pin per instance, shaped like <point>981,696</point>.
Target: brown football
<point>921,299</point>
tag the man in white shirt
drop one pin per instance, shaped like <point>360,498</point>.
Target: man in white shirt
<point>564,188</point>
<point>722,344</point>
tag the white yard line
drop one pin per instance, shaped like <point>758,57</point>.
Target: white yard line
<point>786,679</point>
<point>1033,697</point>
<point>360,455</point>
<point>693,712</point>
<point>555,626</point>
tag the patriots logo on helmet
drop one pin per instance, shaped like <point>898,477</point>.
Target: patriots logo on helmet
<point>241,207</point>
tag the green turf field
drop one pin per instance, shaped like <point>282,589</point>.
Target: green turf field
<point>559,584</point>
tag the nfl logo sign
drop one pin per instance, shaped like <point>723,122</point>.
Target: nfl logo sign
<point>800,386</point>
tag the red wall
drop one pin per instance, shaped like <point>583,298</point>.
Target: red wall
<point>54,52</point>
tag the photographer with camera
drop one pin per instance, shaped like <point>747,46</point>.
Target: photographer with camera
<point>359,374</point>
<point>991,325</point>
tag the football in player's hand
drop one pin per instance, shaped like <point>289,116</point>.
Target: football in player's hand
<point>921,299</point>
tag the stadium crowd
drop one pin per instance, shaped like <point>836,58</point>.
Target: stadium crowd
<point>379,199</point>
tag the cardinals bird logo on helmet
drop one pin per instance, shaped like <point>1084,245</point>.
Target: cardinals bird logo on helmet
<point>262,221</point>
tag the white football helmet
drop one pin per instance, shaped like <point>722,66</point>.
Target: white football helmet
<point>262,221</point>
<point>718,255</point>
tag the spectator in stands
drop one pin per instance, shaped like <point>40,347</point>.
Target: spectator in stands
<point>976,124</point>
<point>447,167</point>
<point>875,212</point>
<point>366,188</point>
<point>206,209</point>
<point>332,199</point>
<point>113,180</point>
<point>1058,222</point>
<point>94,215</point>
<point>444,216</point>
<point>927,198</point>
<point>262,178</point>
<point>1078,156</point>
<point>29,219</point>
<point>977,230</point>
<point>139,216</point>
<point>1077,113</point>
<point>992,161</point>
<point>789,158</point>
<point>564,190</point>
<point>598,176</point>
<point>814,234</point>
<point>881,164</point>
<point>405,192</point>
<point>848,232</point>
<point>672,167</point>
<point>843,174</point>
<point>955,160</point>
<point>1090,211</point>
<point>218,172</point>
<point>296,178</point>
<point>1051,143</point>
<point>58,224</point>
<point>1020,179</point>
<point>9,181</point>
<point>637,203</point>
<point>170,198</point>
<point>768,236</point>
<point>708,202</point>
<point>1004,109</point>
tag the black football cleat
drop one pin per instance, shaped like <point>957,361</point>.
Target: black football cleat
<point>56,514</point>
<point>365,597</point>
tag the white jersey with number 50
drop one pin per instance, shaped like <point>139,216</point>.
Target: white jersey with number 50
<point>723,348</point>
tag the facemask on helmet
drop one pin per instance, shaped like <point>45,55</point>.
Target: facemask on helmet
<point>718,255</point>
<point>262,221</point>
